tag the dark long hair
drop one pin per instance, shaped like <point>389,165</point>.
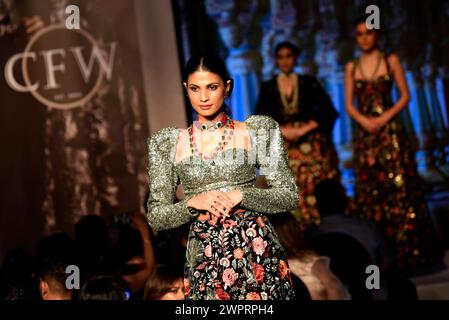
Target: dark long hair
<point>383,43</point>
<point>287,45</point>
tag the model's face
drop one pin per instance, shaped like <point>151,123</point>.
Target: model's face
<point>176,292</point>
<point>366,38</point>
<point>285,60</point>
<point>206,92</point>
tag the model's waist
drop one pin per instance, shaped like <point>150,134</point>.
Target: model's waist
<point>376,108</point>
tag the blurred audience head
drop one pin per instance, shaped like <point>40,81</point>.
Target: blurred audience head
<point>56,245</point>
<point>92,243</point>
<point>52,279</point>
<point>91,227</point>
<point>170,245</point>
<point>289,233</point>
<point>17,275</point>
<point>331,197</point>
<point>165,283</point>
<point>104,288</point>
<point>349,260</point>
<point>10,291</point>
<point>126,243</point>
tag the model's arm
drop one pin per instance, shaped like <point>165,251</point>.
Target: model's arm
<point>282,194</point>
<point>163,212</point>
<point>137,280</point>
<point>399,77</point>
<point>349,93</point>
<point>365,122</point>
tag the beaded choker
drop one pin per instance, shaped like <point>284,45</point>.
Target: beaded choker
<point>212,125</point>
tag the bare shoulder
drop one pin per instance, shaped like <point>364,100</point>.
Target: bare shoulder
<point>393,59</point>
<point>349,70</point>
<point>349,66</point>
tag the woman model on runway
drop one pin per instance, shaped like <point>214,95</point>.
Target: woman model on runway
<point>233,252</point>
<point>306,116</point>
<point>388,188</point>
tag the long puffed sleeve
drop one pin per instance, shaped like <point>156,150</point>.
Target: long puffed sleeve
<point>271,158</point>
<point>163,212</point>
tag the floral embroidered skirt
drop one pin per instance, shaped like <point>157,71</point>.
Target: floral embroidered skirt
<point>238,259</point>
<point>312,159</point>
<point>390,193</point>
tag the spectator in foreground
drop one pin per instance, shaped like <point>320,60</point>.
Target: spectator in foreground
<point>104,288</point>
<point>310,267</point>
<point>165,283</point>
<point>52,280</point>
<point>332,203</point>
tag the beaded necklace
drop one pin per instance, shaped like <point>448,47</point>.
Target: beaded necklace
<point>292,106</point>
<point>226,136</point>
<point>379,59</point>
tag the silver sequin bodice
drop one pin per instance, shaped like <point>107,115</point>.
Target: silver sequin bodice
<point>233,168</point>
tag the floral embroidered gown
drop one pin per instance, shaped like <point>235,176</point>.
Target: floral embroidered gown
<point>388,188</point>
<point>312,157</point>
<point>240,258</point>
